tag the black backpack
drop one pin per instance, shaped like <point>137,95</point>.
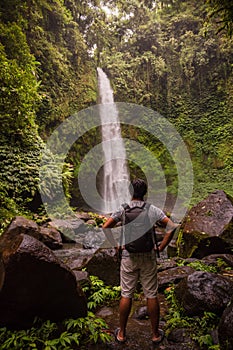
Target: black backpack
<point>137,232</point>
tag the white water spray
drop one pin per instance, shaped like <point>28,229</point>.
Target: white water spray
<point>115,189</point>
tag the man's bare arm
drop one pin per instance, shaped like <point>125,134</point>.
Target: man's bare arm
<point>110,223</point>
<point>170,228</point>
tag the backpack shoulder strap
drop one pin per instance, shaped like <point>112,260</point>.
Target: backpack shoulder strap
<point>125,206</point>
<point>147,206</point>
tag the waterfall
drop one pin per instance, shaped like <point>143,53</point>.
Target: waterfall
<point>115,186</point>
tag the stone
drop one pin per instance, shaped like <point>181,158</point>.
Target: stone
<point>83,216</point>
<point>208,227</point>
<point>213,259</point>
<point>225,328</point>
<point>49,236</point>
<point>20,224</point>
<point>182,336</point>
<point>166,264</point>
<point>82,278</point>
<point>173,275</point>
<point>106,265</point>
<point>141,313</point>
<point>69,228</point>
<point>91,222</point>
<point>204,291</point>
<point>35,283</point>
<point>104,312</point>
<point>74,257</point>
<point>94,239</point>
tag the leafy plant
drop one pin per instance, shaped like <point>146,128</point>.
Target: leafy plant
<point>199,266</point>
<point>199,327</point>
<point>98,293</point>
<point>70,334</point>
<point>99,219</point>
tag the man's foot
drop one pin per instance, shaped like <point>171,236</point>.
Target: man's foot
<point>160,338</point>
<point>117,336</point>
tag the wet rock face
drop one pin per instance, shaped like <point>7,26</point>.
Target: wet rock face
<point>35,283</point>
<point>208,227</point>
<point>204,291</point>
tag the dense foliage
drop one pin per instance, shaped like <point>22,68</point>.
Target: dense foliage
<point>171,59</point>
<point>172,56</point>
<point>46,74</point>
<point>222,12</point>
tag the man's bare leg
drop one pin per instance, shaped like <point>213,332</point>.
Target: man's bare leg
<point>153,309</point>
<point>125,308</point>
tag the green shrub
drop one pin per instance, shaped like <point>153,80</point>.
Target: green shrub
<point>199,327</point>
<point>70,334</point>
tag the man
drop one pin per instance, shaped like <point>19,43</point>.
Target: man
<point>140,266</point>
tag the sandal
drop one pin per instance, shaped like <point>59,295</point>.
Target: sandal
<point>116,332</point>
<point>161,336</point>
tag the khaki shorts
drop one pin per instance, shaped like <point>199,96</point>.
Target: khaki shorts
<point>139,267</point>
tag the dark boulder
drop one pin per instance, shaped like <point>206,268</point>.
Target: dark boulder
<point>226,260</point>
<point>69,228</point>
<point>181,340</point>
<point>141,313</point>
<point>208,227</point>
<point>166,264</point>
<point>106,265</point>
<point>204,291</point>
<point>35,283</point>
<point>225,329</point>
<point>103,262</point>
<point>173,275</point>
<point>74,257</point>
<point>49,236</point>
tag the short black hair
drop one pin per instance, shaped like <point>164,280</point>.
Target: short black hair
<point>139,187</point>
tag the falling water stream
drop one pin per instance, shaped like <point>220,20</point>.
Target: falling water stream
<point>115,180</point>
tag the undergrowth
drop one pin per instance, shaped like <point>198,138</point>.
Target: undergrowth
<point>98,293</point>
<point>71,334</point>
<point>199,266</point>
<point>199,328</point>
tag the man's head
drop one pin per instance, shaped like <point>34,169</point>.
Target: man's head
<point>139,188</point>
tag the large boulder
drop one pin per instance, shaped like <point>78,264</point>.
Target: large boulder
<point>69,228</point>
<point>35,283</point>
<point>49,236</point>
<point>173,275</point>
<point>208,227</point>
<point>204,291</point>
<point>106,265</point>
<point>101,262</point>
<point>74,257</point>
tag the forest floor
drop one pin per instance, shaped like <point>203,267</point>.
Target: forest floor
<point>138,331</point>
